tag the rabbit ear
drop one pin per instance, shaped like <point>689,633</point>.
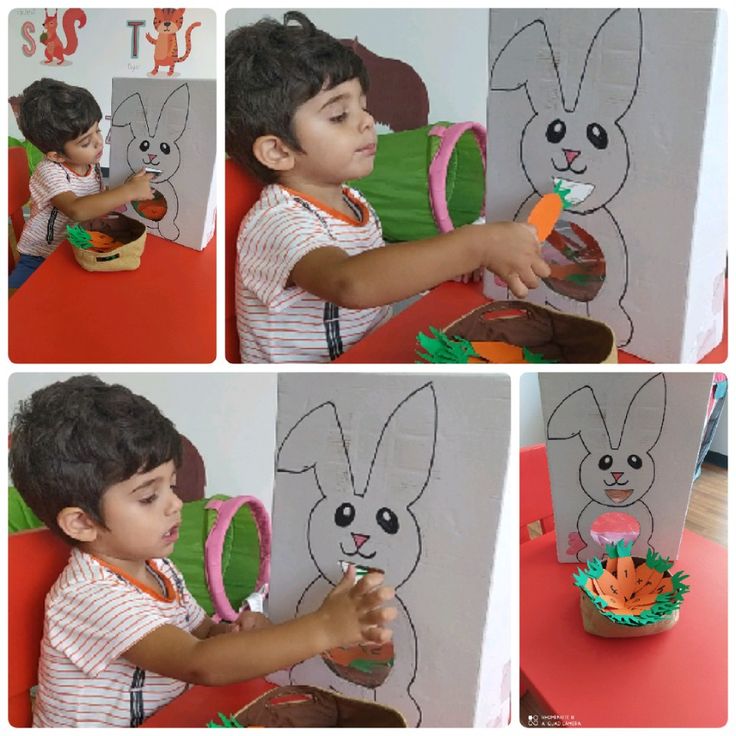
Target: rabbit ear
<point>645,415</point>
<point>174,113</point>
<point>316,442</point>
<point>404,474</point>
<point>579,414</point>
<point>527,60</point>
<point>622,31</point>
<point>132,113</point>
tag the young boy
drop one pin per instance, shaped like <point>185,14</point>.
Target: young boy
<point>66,186</point>
<point>122,634</point>
<point>313,274</point>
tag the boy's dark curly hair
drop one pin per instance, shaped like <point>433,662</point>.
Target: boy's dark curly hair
<point>53,113</point>
<point>72,440</point>
<point>271,69</point>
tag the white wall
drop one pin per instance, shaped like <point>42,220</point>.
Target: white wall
<point>106,50</point>
<point>447,48</point>
<point>230,418</point>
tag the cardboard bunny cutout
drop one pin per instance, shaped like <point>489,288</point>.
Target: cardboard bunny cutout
<point>580,140</point>
<point>593,99</point>
<point>611,477</point>
<point>166,126</point>
<point>156,147</point>
<point>364,471</point>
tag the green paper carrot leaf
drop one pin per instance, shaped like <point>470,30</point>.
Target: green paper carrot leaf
<point>439,348</point>
<point>78,236</point>
<point>225,722</point>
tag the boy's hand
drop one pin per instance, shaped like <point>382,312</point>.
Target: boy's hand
<point>354,611</point>
<point>511,250</point>
<point>139,185</point>
<point>248,620</point>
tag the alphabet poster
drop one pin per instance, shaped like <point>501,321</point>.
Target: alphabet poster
<point>626,109</point>
<point>404,473</point>
<point>622,450</point>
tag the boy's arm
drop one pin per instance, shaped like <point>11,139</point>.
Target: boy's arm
<point>90,206</point>
<point>350,613</point>
<point>246,620</point>
<point>385,275</point>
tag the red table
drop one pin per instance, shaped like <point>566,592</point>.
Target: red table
<point>674,679</point>
<point>163,312</point>
<point>200,705</point>
<point>395,342</point>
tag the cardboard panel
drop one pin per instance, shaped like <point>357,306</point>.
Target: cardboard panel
<point>628,108</point>
<point>168,124</point>
<point>404,473</point>
<point>622,450</point>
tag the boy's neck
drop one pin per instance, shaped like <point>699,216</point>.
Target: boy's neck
<point>329,195</point>
<point>134,568</point>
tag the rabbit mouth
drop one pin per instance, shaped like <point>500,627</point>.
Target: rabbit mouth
<point>358,553</point>
<point>619,495</point>
<point>568,168</point>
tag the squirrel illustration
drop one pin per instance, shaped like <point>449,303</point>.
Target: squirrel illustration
<point>167,22</point>
<point>55,49</point>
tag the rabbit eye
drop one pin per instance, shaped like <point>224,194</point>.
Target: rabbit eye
<point>634,461</point>
<point>145,145</point>
<point>605,462</point>
<point>165,148</point>
<point>345,514</point>
<point>556,131</point>
<point>387,520</point>
<point>597,136</point>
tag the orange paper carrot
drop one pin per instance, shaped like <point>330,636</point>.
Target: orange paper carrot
<point>545,213</point>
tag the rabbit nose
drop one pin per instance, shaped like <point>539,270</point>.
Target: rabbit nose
<point>570,155</point>
<point>359,539</point>
<point>616,475</point>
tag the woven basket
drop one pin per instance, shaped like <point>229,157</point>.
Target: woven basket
<point>129,232</point>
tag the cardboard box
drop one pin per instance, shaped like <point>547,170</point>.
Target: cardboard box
<point>168,125</point>
<point>635,121</point>
<point>404,473</point>
<point>622,450</point>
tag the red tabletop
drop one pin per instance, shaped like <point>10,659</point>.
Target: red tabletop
<point>395,342</point>
<point>163,312</point>
<point>674,679</point>
<point>200,705</point>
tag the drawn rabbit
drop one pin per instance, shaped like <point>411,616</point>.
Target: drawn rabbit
<point>157,148</point>
<point>373,527</point>
<point>613,475</point>
<point>582,143</point>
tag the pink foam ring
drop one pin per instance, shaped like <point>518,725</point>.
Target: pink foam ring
<point>614,526</point>
<point>437,176</point>
<point>213,546</point>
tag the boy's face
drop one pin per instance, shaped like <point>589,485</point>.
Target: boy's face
<point>142,515</point>
<point>86,149</point>
<point>337,136</point>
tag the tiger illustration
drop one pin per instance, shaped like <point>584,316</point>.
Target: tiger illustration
<point>167,22</point>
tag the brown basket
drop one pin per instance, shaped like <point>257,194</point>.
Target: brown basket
<point>303,706</point>
<point>556,336</point>
<point>131,233</point>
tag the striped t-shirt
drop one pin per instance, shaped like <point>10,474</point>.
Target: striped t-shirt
<point>94,614</point>
<point>46,227</point>
<point>277,323</point>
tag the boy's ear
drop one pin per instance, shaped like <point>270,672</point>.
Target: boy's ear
<point>273,153</point>
<point>57,158</point>
<point>77,524</point>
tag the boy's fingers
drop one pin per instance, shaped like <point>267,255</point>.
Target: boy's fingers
<point>516,285</point>
<point>377,635</point>
<point>541,268</point>
<point>348,579</point>
<point>376,598</point>
<point>378,616</point>
<point>368,582</point>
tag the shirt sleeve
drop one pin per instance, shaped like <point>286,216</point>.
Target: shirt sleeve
<point>94,622</point>
<point>49,181</point>
<point>271,243</point>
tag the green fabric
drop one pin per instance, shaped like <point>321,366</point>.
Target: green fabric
<point>398,187</point>
<point>240,556</point>
<point>20,517</point>
<point>34,155</point>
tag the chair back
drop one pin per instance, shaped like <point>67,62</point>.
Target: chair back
<point>18,193</point>
<point>534,491</point>
<point>241,193</point>
<point>35,560</point>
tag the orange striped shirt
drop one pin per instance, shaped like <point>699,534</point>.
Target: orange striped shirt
<point>94,614</point>
<point>279,324</point>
